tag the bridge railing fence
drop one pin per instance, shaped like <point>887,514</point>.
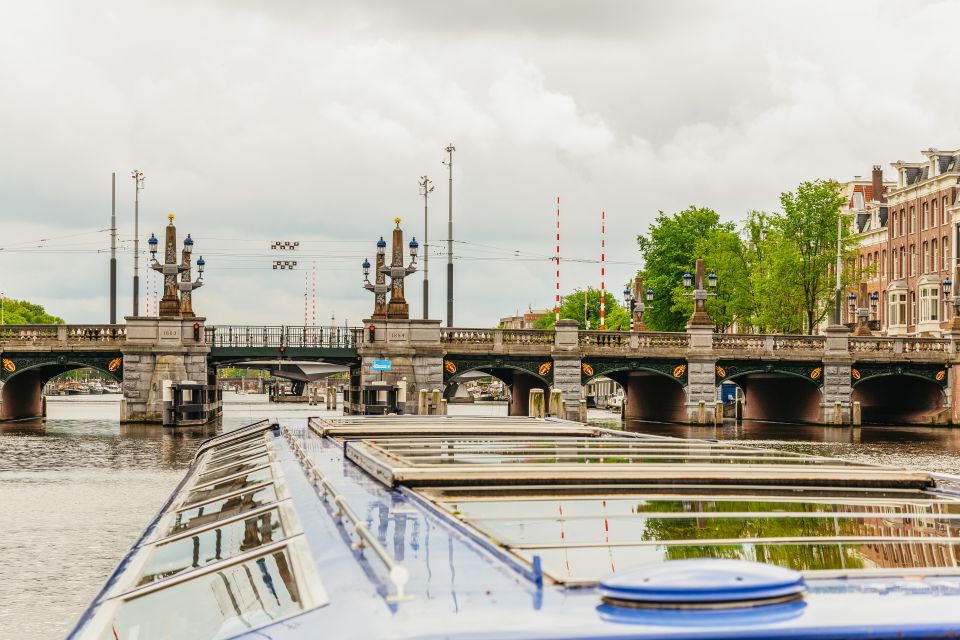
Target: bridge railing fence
<point>62,332</point>
<point>242,336</point>
<point>767,342</point>
<point>896,344</point>
<point>633,339</point>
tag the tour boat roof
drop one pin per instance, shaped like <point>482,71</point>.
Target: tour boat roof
<point>409,526</point>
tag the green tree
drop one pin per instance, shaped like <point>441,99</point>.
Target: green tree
<point>808,226</point>
<point>669,250</point>
<point>727,255</point>
<point>616,318</point>
<point>23,312</point>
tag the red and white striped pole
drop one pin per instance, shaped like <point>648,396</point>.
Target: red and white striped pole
<point>603,266</point>
<point>313,318</point>
<point>557,302</point>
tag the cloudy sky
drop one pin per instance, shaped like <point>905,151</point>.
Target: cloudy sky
<point>312,121</point>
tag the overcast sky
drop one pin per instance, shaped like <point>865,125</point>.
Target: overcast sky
<point>312,121</point>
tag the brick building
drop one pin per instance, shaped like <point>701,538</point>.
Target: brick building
<point>868,214</point>
<point>921,226</point>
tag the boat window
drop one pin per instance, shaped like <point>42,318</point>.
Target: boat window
<point>229,485</point>
<point>238,466</point>
<point>211,545</point>
<point>219,604</point>
<point>575,565</point>
<point>224,508</point>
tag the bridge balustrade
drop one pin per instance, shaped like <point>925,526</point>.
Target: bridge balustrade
<point>617,340</point>
<point>467,336</point>
<point>767,342</point>
<point>283,336</point>
<point>62,332</point>
<point>899,345</point>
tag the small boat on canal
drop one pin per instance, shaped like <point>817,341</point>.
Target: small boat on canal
<point>466,527</point>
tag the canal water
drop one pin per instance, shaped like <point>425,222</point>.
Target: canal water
<point>78,488</point>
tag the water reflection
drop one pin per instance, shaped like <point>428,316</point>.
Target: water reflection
<point>930,448</point>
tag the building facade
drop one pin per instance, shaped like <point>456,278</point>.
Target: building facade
<point>868,214</point>
<point>921,236</point>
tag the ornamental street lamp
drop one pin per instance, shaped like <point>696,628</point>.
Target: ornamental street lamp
<point>947,287</point>
<point>860,313</point>
<point>177,297</point>
<point>699,318</point>
<point>635,303</point>
<point>875,304</point>
<point>397,308</point>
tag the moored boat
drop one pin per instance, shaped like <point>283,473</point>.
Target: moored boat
<point>408,526</point>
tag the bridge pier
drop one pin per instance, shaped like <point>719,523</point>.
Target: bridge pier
<point>159,350</point>
<point>566,368</point>
<point>836,407</point>
<point>701,375</point>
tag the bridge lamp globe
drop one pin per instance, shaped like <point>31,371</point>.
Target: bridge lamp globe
<point>687,280</point>
<point>153,242</point>
<point>712,280</point>
<point>627,297</point>
<point>414,246</point>
<point>381,246</point>
<point>649,295</point>
<point>366,270</point>
<point>875,297</point>
<point>188,245</point>
<point>852,298</point>
<point>947,284</point>
<point>201,263</point>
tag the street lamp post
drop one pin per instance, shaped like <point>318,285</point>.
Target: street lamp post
<point>861,312</point>
<point>634,297</point>
<point>426,187</point>
<point>449,162</point>
<point>137,176</point>
<point>699,318</point>
<point>172,304</point>
<point>397,308</point>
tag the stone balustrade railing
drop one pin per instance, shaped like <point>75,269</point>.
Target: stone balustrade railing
<point>899,345</point>
<point>525,336</point>
<point>466,336</point>
<point>615,340</point>
<point>767,342</point>
<point>62,332</point>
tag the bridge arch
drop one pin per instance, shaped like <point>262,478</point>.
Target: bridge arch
<point>776,391</point>
<point>653,390</point>
<point>24,378</point>
<point>899,397</point>
<point>519,374</point>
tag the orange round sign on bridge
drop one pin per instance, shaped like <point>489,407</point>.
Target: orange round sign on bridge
<point>545,368</point>
<point>855,374</point>
<point>450,367</point>
<point>587,369</point>
<point>940,375</point>
<point>679,370</point>
<point>114,365</point>
<point>8,366</point>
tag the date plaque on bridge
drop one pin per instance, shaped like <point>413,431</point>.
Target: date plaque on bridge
<point>381,365</point>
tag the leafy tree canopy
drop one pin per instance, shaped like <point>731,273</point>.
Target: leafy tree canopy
<point>616,318</point>
<point>23,312</point>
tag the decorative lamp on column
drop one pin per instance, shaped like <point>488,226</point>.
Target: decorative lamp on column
<point>700,294</point>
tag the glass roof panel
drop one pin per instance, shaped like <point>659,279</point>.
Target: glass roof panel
<point>222,509</point>
<point>589,564</point>
<point>218,604</point>
<point>248,443</point>
<point>234,458</point>
<point>229,486</point>
<point>238,466</point>
<point>212,545</point>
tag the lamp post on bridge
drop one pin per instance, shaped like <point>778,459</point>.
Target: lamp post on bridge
<point>699,318</point>
<point>172,304</point>
<point>861,313</point>
<point>397,308</point>
<point>635,303</point>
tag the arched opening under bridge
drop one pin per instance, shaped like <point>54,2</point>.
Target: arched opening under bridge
<point>898,399</point>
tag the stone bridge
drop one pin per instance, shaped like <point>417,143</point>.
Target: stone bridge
<point>830,379</point>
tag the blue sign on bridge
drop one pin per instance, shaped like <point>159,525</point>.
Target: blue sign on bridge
<point>381,365</point>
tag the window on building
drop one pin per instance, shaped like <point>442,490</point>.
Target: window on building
<point>925,265</point>
<point>943,210</point>
<point>913,219</point>
<point>883,264</point>
<point>933,213</point>
<point>934,256</point>
<point>901,222</point>
<point>926,221</point>
<point>898,309</point>
<point>913,307</point>
<point>945,247</point>
<point>913,259</point>
<point>930,303</point>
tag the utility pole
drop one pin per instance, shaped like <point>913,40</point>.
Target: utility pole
<point>426,186</point>
<point>449,162</point>
<point>137,176</point>
<point>113,248</point>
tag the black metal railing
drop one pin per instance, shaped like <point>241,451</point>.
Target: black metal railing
<point>283,336</point>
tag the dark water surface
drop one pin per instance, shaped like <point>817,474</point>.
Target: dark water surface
<point>78,488</point>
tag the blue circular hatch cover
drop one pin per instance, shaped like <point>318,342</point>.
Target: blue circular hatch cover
<point>702,581</point>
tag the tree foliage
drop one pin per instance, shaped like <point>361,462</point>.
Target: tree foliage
<point>616,318</point>
<point>775,273</point>
<point>23,312</point>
